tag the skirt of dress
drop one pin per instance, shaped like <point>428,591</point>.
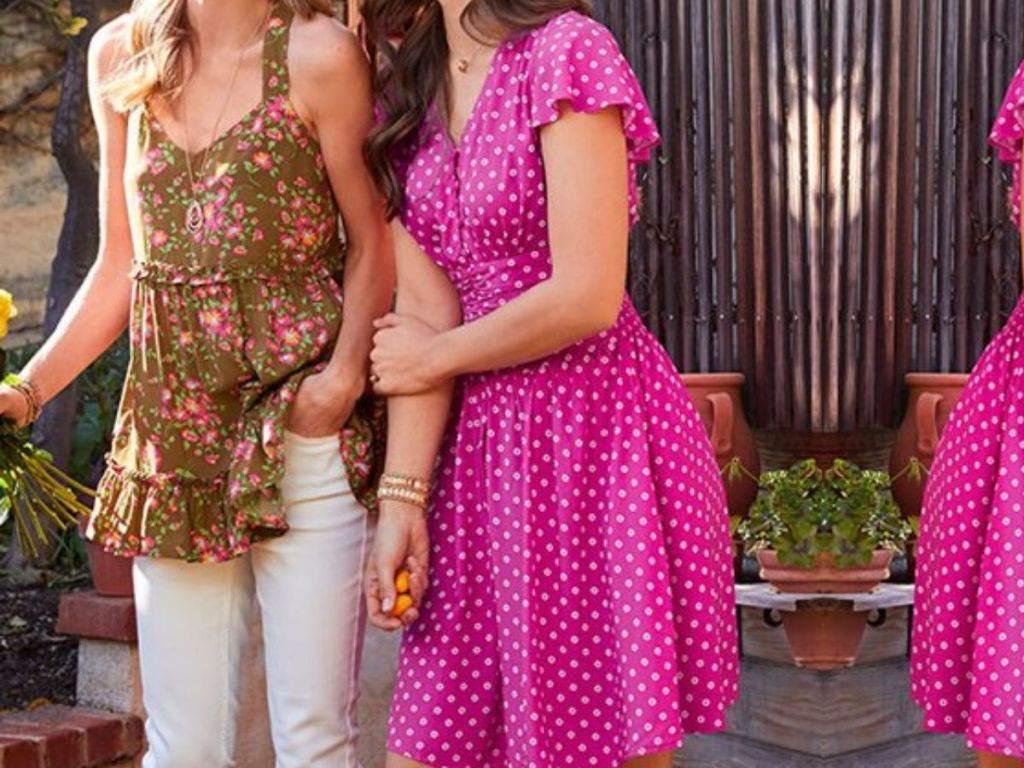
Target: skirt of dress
<point>968,641</point>
<point>581,609</point>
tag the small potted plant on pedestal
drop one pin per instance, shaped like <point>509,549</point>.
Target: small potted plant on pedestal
<point>818,531</point>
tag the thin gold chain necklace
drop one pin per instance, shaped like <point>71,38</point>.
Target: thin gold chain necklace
<point>463,63</point>
<point>195,217</point>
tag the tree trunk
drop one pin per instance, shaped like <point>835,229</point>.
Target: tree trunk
<point>76,248</point>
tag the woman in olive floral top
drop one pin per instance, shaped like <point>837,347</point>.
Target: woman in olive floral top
<point>245,452</point>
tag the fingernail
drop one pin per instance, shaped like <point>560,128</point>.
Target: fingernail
<point>388,604</point>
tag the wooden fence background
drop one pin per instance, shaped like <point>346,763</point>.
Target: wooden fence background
<point>825,214</point>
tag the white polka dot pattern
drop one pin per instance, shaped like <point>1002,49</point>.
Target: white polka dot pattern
<point>1008,135</point>
<point>487,196</point>
<point>581,608</point>
<point>969,604</point>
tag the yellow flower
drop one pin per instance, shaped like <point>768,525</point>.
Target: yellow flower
<point>7,311</point>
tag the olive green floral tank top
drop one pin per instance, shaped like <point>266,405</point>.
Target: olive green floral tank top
<point>232,307</point>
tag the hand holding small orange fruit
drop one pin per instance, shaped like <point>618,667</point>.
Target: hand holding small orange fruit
<point>397,569</point>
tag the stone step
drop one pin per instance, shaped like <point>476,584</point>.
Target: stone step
<point>925,750</point>
<point>68,737</point>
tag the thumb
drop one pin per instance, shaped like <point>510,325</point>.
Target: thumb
<point>386,586</point>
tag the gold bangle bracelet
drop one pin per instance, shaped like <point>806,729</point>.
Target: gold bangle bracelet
<point>406,481</point>
<point>404,495</point>
<point>404,489</point>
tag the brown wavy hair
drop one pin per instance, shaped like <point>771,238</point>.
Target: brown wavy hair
<point>409,45</point>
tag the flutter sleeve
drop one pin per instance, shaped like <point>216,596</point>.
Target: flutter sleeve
<point>576,61</point>
<point>1007,135</point>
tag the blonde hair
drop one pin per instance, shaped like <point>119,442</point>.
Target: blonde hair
<point>156,38</point>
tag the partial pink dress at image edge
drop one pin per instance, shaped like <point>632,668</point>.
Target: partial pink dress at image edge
<point>968,642</point>
<point>581,608</point>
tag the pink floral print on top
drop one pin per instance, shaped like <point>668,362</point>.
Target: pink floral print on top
<point>225,325</point>
<point>581,607</point>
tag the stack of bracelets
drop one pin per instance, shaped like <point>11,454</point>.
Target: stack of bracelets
<point>410,490</point>
<point>28,391</point>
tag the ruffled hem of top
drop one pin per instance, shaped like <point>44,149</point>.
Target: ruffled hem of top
<point>214,519</point>
<point>168,515</point>
<point>578,61</point>
<point>1007,136</point>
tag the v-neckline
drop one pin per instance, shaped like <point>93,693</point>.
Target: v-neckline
<point>446,127</point>
<point>222,136</point>
<point>204,152</point>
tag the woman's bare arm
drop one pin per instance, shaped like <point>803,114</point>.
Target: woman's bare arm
<point>331,83</point>
<point>588,201</point>
<point>416,426</point>
<point>100,310</point>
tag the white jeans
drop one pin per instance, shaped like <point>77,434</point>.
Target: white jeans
<point>193,624</point>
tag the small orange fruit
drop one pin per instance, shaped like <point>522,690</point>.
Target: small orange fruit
<point>402,582</point>
<point>402,604</point>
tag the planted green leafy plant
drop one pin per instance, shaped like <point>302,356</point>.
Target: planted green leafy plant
<point>32,489</point>
<point>807,514</point>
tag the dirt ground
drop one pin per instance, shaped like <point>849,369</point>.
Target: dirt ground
<point>35,663</point>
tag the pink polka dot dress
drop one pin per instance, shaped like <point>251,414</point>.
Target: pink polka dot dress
<point>968,643</point>
<point>581,608</point>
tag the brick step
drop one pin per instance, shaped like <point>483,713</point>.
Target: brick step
<point>68,737</point>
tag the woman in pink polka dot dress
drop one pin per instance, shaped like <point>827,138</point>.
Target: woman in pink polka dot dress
<point>968,644</point>
<point>580,607</point>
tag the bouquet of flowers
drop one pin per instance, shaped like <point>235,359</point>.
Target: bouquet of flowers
<point>33,491</point>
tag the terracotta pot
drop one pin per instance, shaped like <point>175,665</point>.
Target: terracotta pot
<point>719,401</point>
<point>111,575</point>
<point>932,397</point>
<point>824,577</point>
<point>824,634</point>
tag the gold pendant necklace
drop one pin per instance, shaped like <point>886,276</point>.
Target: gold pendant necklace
<point>463,64</point>
<point>195,219</point>
<point>195,216</point>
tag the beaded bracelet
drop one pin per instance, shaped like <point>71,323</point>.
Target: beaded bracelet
<point>389,493</point>
<point>28,390</point>
<point>409,490</point>
<point>406,481</point>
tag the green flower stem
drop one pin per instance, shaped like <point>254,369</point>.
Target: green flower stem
<point>60,514</point>
<point>56,478</point>
<point>37,489</point>
<point>22,518</point>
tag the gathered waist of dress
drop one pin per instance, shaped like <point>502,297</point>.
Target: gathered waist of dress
<point>577,359</point>
<point>159,272</point>
<point>484,285</point>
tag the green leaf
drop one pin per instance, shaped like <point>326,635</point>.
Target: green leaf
<point>73,25</point>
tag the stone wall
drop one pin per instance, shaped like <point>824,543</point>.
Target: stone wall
<point>31,187</point>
